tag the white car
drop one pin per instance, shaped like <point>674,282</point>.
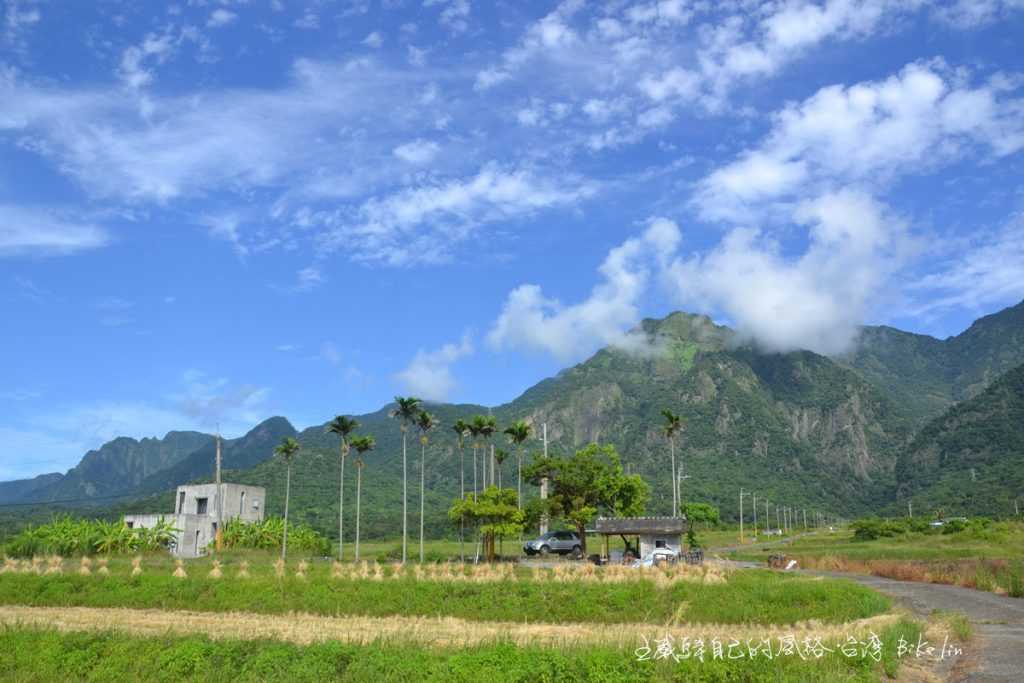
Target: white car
<point>655,556</point>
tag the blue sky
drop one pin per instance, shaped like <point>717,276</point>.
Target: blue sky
<point>213,212</point>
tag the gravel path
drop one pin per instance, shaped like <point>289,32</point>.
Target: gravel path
<point>996,653</point>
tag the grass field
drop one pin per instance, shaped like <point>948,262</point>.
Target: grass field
<point>989,559</point>
<point>30,655</point>
<point>573,593</point>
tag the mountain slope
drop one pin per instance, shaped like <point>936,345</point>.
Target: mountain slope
<point>971,459</point>
<point>928,375</point>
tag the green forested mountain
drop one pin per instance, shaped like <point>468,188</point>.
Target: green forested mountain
<point>927,375</point>
<point>971,459</point>
<point>802,429</point>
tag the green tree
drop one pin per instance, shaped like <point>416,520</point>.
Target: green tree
<point>701,512</point>
<point>424,422</point>
<point>362,444</point>
<point>673,425</point>
<point>589,482</point>
<point>287,450</point>
<point>518,432</point>
<point>406,409</point>
<point>342,426</point>
<point>495,515</point>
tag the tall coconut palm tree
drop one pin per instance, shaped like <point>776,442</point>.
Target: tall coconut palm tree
<point>673,425</point>
<point>342,426</point>
<point>518,432</point>
<point>424,422</point>
<point>406,409</point>
<point>461,430</point>
<point>476,427</point>
<point>362,444</point>
<point>490,426</point>
<point>500,456</point>
<point>287,450</point>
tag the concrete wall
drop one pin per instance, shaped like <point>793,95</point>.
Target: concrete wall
<point>196,531</point>
<point>245,502</point>
<point>650,542</point>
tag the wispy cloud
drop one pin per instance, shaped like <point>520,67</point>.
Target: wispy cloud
<point>429,374</point>
<point>35,231</point>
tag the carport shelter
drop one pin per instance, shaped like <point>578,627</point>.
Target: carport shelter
<point>644,533</point>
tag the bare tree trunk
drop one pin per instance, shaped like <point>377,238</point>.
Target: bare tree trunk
<point>476,486</point>
<point>341,508</point>
<point>462,496</point>
<point>675,482</point>
<point>405,501</point>
<point>423,466</point>
<point>519,478</point>
<point>359,487</point>
<point>287,496</point>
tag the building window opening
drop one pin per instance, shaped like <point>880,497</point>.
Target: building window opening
<point>201,506</point>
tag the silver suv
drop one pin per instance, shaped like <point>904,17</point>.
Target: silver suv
<point>561,542</point>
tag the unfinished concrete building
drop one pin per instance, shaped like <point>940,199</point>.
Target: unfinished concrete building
<point>199,510</point>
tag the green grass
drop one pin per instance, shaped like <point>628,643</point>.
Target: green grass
<point>28,655</point>
<point>748,597</point>
<point>1003,541</point>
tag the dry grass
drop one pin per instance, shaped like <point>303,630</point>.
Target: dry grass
<point>179,570</point>
<point>977,574</point>
<point>434,632</point>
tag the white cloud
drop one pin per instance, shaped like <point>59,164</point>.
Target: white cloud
<point>210,401</point>
<point>226,226</point>
<point>18,17</point>
<point>815,299</point>
<point>530,321</point>
<point>309,278</point>
<point>33,231</point>
<point>134,70</point>
<point>429,374</point>
<point>220,17</point>
<point>971,13</point>
<point>373,40</point>
<point>454,16</point>
<point>424,224</point>
<point>872,131</point>
<point>417,151</point>
<point>309,21</point>
<point>981,271</point>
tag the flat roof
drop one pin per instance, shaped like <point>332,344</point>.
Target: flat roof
<point>641,525</point>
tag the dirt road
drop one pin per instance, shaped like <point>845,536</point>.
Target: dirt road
<point>996,654</point>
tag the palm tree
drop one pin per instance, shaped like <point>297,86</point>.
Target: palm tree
<point>361,444</point>
<point>475,429</point>
<point>461,429</point>
<point>490,426</point>
<point>673,425</point>
<point>424,422</point>
<point>500,456</point>
<point>406,410</point>
<point>287,450</point>
<point>518,432</point>
<point>342,426</point>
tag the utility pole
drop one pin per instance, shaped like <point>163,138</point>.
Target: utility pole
<point>742,494</point>
<point>544,484</point>
<point>778,519</point>
<point>805,519</point>
<point>220,500</point>
<point>910,509</point>
<point>767,519</point>
<point>755,515</point>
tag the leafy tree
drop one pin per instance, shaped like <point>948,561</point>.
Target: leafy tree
<point>362,444</point>
<point>518,432</point>
<point>287,450</point>
<point>424,422</point>
<point>701,512</point>
<point>342,426</point>
<point>406,409</point>
<point>495,514</point>
<point>589,482</point>
<point>673,425</point>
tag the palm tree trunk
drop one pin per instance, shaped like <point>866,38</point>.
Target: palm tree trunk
<point>341,509</point>
<point>499,475</point>
<point>287,497</point>
<point>423,463</point>
<point>462,496</point>
<point>476,486</point>
<point>519,478</point>
<point>359,486</point>
<point>405,501</point>
<point>675,482</point>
